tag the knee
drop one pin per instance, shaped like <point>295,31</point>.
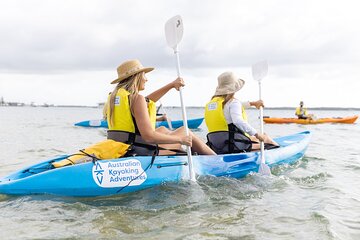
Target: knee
<point>182,131</point>
<point>182,128</point>
<point>163,130</point>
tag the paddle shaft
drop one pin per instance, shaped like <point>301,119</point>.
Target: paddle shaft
<point>261,127</point>
<point>188,148</point>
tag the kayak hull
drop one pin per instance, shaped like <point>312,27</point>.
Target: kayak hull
<point>124,175</point>
<point>347,120</point>
<point>192,123</point>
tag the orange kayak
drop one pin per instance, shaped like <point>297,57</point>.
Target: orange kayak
<point>351,119</point>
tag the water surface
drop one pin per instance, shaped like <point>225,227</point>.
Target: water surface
<point>318,197</point>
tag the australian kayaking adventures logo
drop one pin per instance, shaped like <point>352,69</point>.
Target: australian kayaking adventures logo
<point>118,174</point>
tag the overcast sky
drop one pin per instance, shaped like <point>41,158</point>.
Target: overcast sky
<point>67,52</point>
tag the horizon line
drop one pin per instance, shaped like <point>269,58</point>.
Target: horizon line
<point>93,106</point>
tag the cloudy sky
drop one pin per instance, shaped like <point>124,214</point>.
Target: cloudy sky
<point>66,52</point>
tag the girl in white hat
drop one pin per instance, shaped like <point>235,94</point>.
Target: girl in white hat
<point>225,117</point>
<point>131,117</point>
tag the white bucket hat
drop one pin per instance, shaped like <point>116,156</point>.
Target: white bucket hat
<point>228,83</point>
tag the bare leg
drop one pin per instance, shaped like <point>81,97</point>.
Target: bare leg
<point>256,146</point>
<point>200,147</point>
<point>270,140</point>
<point>175,146</point>
<point>197,144</point>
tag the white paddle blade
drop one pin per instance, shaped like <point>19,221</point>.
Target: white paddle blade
<point>259,70</point>
<point>174,31</point>
<point>264,169</point>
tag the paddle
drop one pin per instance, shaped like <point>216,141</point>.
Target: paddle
<point>174,33</point>
<point>167,119</point>
<point>259,71</point>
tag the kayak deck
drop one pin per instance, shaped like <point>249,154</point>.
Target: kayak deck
<point>100,123</point>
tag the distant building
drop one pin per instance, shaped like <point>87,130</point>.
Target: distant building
<point>47,105</point>
<point>101,105</point>
<point>15,104</point>
<point>2,102</point>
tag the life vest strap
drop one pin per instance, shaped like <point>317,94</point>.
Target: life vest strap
<point>139,146</point>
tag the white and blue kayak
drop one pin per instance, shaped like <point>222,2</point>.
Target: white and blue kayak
<point>100,123</point>
<point>130,174</point>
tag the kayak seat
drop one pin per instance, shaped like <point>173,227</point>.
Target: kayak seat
<point>223,142</point>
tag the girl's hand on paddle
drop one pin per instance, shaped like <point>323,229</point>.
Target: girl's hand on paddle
<point>260,137</point>
<point>186,140</point>
<point>257,104</point>
<point>179,82</point>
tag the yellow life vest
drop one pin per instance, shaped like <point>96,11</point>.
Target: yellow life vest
<point>107,149</point>
<point>214,115</point>
<point>152,113</point>
<point>301,112</point>
<point>223,137</point>
<point>122,117</point>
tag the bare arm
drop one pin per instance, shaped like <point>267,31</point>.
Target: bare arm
<point>235,111</point>
<point>155,96</point>
<point>147,133</point>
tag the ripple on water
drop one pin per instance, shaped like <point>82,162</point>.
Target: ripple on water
<point>313,181</point>
<point>41,151</point>
<point>47,217</point>
<point>287,168</point>
<point>219,189</point>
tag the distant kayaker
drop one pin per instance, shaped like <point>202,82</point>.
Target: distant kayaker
<point>301,112</point>
<point>226,119</point>
<point>131,116</point>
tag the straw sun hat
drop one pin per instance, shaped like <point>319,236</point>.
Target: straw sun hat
<point>228,83</point>
<point>130,68</point>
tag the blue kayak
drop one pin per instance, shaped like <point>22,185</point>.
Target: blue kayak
<point>192,123</point>
<point>130,174</point>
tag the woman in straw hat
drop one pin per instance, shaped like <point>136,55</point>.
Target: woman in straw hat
<point>131,117</point>
<point>225,117</point>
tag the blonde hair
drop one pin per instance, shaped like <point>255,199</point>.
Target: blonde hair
<point>130,84</point>
<point>226,97</point>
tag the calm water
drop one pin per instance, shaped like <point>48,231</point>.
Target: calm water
<point>316,198</point>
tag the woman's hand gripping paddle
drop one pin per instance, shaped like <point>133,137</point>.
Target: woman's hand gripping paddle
<point>259,71</point>
<point>174,32</point>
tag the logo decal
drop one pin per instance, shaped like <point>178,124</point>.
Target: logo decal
<point>212,106</point>
<point>118,173</point>
<point>98,172</point>
<point>117,100</point>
